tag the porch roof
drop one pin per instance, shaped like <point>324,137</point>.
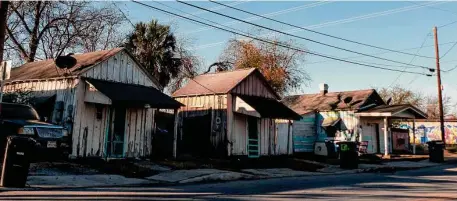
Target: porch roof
<point>270,108</point>
<point>134,94</point>
<point>406,111</point>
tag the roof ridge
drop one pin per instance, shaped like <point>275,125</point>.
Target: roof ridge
<point>50,59</point>
<point>223,72</point>
<point>333,92</point>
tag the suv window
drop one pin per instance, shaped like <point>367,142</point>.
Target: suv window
<point>17,111</point>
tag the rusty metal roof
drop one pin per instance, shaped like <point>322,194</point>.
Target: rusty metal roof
<point>214,83</point>
<point>47,69</point>
<point>306,103</point>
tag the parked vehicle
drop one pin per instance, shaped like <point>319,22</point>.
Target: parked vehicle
<point>51,141</point>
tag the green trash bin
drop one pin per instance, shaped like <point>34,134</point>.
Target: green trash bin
<point>349,157</point>
<point>436,151</point>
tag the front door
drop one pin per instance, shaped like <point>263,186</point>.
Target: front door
<point>253,137</point>
<point>115,140</point>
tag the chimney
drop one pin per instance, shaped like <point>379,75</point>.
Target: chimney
<point>323,88</point>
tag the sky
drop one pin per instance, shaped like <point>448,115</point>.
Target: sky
<point>397,25</point>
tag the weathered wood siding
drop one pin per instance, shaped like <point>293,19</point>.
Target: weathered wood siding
<point>240,138</point>
<point>90,133</point>
<point>253,86</point>
<point>64,89</point>
<point>283,144</point>
<point>275,136</point>
<point>120,68</point>
<point>138,132</point>
<point>215,105</point>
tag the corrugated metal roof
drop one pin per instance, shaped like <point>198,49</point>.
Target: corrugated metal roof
<point>306,103</point>
<point>270,108</point>
<point>214,83</point>
<point>47,68</point>
<point>134,94</point>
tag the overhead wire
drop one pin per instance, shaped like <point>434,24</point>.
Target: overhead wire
<point>123,14</point>
<point>213,8</point>
<point>412,59</point>
<point>300,37</point>
<point>280,12</point>
<point>273,42</point>
<point>384,52</point>
<point>338,22</point>
<point>317,32</point>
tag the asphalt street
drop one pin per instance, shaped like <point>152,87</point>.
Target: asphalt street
<point>436,183</point>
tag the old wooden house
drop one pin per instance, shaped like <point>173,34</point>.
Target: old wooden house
<point>233,113</point>
<point>361,115</point>
<point>107,101</point>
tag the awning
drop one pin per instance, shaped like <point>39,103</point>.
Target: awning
<point>270,108</point>
<point>330,122</point>
<point>134,94</point>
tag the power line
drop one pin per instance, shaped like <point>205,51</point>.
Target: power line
<point>274,43</point>
<point>436,8</point>
<point>364,62</point>
<point>341,21</point>
<point>280,12</point>
<point>449,50</point>
<point>385,52</point>
<point>412,59</point>
<point>448,24</point>
<point>213,8</point>
<point>292,35</point>
<point>449,70</point>
<point>125,16</point>
<point>317,32</point>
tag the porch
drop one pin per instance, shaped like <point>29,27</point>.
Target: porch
<point>117,120</point>
<point>378,130</point>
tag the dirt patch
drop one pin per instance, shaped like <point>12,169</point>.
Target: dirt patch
<point>59,168</point>
<point>237,164</point>
<point>123,167</point>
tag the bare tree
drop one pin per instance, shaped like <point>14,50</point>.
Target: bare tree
<point>46,29</point>
<point>401,95</point>
<point>428,104</point>
<point>281,66</point>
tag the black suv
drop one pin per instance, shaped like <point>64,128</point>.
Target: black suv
<point>51,141</point>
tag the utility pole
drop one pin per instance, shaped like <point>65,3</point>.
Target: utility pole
<point>438,77</point>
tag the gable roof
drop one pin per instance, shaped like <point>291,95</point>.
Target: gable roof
<point>47,68</point>
<point>217,83</point>
<point>306,103</point>
<point>392,110</point>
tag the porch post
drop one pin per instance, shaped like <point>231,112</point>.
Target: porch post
<point>414,136</point>
<point>175,133</point>
<point>386,145</point>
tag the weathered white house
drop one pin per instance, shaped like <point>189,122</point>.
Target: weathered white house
<point>107,101</point>
<point>233,113</point>
<point>360,115</point>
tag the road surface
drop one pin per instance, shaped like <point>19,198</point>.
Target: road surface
<point>436,183</point>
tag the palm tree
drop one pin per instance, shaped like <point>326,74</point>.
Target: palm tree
<point>155,47</point>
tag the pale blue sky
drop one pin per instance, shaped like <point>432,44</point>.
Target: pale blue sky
<point>394,25</point>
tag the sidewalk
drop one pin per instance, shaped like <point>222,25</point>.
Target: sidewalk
<point>167,176</point>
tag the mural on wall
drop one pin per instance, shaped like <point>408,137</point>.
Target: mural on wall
<point>428,131</point>
<point>344,128</point>
<point>304,134</point>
